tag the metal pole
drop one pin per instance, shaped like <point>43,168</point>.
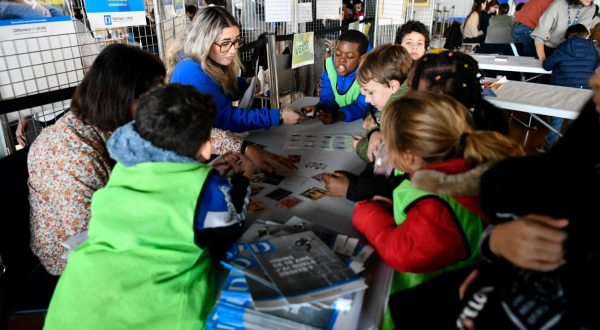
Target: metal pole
<point>376,23</point>
<point>432,19</point>
<point>158,24</point>
<point>272,60</point>
<point>412,8</point>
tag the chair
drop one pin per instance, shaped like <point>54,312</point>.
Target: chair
<point>25,287</point>
<point>498,35</point>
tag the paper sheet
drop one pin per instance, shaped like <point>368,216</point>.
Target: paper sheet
<point>325,142</point>
<point>278,10</point>
<point>305,12</point>
<point>328,9</point>
<point>393,10</point>
<point>246,101</point>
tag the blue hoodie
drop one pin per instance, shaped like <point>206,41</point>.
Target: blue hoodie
<point>573,63</point>
<point>230,118</point>
<point>327,98</point>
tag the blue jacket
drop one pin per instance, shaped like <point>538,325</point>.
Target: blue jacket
<point>573,63</point>
<point>229,117</point>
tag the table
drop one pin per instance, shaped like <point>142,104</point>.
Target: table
<point>335,213</point>
<point>538,99</point>
<point>524,64</point>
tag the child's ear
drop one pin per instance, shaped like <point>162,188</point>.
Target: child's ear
<point>361,58</point>
<point>395,85</point>
<point>205,151</point>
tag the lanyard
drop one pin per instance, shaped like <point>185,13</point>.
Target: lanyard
<point>576,17</point>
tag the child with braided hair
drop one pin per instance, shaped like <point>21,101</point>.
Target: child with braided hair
<point>433,228</point>
<point>458,75</point>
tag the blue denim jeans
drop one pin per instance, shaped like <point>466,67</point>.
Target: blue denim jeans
<point>551,137</point>
<point>522,34</point>
<point>13,10</point>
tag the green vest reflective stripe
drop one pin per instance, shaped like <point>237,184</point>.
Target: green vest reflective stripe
<point>140,268</point>
<point>341,99</point>
<point>470,223</point>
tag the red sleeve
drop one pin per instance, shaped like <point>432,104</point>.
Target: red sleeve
<point>428,240</point>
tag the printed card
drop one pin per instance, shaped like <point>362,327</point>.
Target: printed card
<point>278,194</point>
<point>257,176</point>
<point>294,181</point>
<point>274,179</point>
<point>255,207</point>
<point>255,190</point>
<point>315,166</point>
<point>294,158</point>
<point>320,177</point>
<point>289,202</point>
<point>313,193</point>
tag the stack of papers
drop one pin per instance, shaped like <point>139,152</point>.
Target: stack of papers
<point>298,272</point>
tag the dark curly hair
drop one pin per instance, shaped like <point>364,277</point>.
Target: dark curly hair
<point>412,26</point>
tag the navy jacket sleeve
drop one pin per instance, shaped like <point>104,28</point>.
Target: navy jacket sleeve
<point>553,60</point>
<point>228,117</point>
<point>221,212</point>
<point>327,98</point>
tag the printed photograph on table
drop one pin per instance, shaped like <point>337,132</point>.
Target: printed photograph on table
<point>278,194</point>
<point>255,207</point>
<point>274,179</point>
<point>315,166</point>
<point>289,202</point>
<point>258,176</point>
<point>25,19</point>
<point>255,190</point>
<point>314,193</point>
<point>320,177</point>
<point>294,158</point>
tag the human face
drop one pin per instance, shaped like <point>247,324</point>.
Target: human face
<point>595,85</point>
<point>414,43</point>
<point>585,2</point>
<point>228,35</point>
<point>358,7</point>
<point>495,8</point>
<point>346,57</point>
<point>378,94</point>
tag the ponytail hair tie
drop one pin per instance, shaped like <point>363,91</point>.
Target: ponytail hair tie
<point>463,139</point>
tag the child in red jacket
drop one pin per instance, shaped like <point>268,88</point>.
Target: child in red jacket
<point>437,228</point>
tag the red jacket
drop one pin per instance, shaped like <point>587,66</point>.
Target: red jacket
<point>428,240</point>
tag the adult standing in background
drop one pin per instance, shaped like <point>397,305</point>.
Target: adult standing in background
<point>526,21</point>
<point>555,21</point>
<point>502,19</point>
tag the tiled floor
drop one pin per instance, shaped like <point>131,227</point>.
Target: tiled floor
<point>530,138</point>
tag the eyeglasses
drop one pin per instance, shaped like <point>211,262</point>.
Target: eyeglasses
<point>226,45</point>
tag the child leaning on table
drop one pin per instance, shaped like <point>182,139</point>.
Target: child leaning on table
<point>433,231</point>
<point>573,63</point>
<point>340,98</point>
<point>158,225</point>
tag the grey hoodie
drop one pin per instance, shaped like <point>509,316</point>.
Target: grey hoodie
<point>554,22</point>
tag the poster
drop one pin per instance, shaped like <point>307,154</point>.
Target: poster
<point>304,51</point>
<point>329,9</point>
<point>115,13</point>
<point>31,18</point>
<point>392,10</point>
<point>305,12</point>
<point>278,10</point>
<point>173,8</point>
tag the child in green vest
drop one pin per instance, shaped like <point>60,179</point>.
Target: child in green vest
<point>340,97</point>
<point>432,226</point>
<point>158,225</point>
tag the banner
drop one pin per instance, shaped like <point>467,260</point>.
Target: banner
<point>304,50</point>
<point>31,18</point>
<point>115,13</point>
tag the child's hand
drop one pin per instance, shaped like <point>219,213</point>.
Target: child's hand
<point>293,116</point>
<point>384,201</point>
<point>221,165</point>
<point>240,164</point>
<point>533,242</point>
<point>355,140</point>
<point>368,123</point>
<point>330,117</point>
<point>337,184</point>
<point>374,142</point>
<point>267,161</point>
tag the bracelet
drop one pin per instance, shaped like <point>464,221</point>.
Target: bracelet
<point>280,116</point>
<point>248,146</point>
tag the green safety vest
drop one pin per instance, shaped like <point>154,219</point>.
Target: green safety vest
<point>140,268</point>
<point>351,94</point>
<point>472,226</point>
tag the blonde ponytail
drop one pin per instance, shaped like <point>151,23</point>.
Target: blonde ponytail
<point>483,146</point>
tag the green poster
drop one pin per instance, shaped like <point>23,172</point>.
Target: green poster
<point>304,51</point>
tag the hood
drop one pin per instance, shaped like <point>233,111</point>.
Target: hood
<point>127,147</point>
<point>578,48</point>
<point>455,179</point>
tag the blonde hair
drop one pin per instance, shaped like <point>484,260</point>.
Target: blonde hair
<point>204,31</point>
<point>432,125</point>
<point>383,64</point>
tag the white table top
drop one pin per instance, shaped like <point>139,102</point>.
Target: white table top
<point>335,213</point>
<point>513,64</point>
<point>557,101</point>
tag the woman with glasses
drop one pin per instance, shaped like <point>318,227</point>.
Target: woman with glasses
<point>207,58</point>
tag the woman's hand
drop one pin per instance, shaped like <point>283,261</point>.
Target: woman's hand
<point>293,116</point>
<point>337,184</point>
<point>240,164</point>
<point>20,132</point>
<point>533,242</point>
<point>268,161</point>
<point>541,53</point>
<point>374,142</point>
